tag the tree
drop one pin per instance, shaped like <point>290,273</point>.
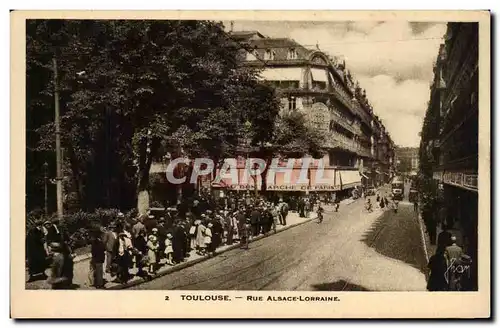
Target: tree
<point>131,89</point>
<point>291,136</point>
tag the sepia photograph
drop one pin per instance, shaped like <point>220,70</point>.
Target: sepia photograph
<point>258,156</point>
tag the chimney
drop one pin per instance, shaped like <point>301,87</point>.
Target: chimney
<point>232,26</point>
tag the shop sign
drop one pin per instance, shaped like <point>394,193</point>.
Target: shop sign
<point>459,179</point>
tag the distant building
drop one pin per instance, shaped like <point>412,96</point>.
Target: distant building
<point>407,159</point>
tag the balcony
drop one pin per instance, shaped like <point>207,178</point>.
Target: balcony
<point>340,141</point>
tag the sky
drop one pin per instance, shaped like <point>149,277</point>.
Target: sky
<point>392,61</point>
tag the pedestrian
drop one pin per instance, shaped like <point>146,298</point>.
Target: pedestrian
<point>138,242</point>
<point>61,271</point>
<point>37,252</point>
<point>255,218</point>
<point>243,230</point>
<point>453,253</point>
<point>141,251</point>
<point>169,251</point>
<point>200,237</point>
<point>123,258</point>
<point>209,245</point>
<point>110,240</point>
<point>178,242</point>
<point>276,216</point>
<point>98,252</point>
<point>320,212</point>
<point>152,253</point>
<point>283,212</point>
<point>438,267</point>
<point>217,232</point>
<point>300,207</point>
<point>192,234</point>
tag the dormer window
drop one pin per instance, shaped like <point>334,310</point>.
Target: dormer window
<point>292,54</point>
<point>269,55</point>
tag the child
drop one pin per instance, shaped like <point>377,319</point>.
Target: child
<point>168,249</point>
<point>152,249</point>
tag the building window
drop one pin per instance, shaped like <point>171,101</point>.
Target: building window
<point>292,54</point>
<point>292,103</point>
<point>289,84</point>
<point>269,55</point>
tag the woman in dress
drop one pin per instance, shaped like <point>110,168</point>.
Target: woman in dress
<point>169,250</point>
<point>200,238</point>
<point>152,250</point>
<point>209,244</point>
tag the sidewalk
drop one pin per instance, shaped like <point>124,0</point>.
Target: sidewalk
<point>82,262</point>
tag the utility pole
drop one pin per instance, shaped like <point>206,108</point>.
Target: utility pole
<point>45,173</point>
<point>58,144</point>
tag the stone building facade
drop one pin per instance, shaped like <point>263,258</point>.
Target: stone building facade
<point>451,134</point>
<point>322,87</point>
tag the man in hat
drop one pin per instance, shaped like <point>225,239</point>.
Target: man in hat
<point>98,252</point>
<point>61,273</point>
<point>109,240</point>
<point>36,251</point>
<point>453,253</point>
<point>178,242</point>
<point>138,242</point>
<point>243,231</point>
<point>255,221</point>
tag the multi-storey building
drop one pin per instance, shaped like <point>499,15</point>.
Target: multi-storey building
<point>450,137</point>
<point>406,159</point>
<point>359,148</point>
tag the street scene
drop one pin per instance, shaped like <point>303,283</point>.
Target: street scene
<point>251,155</point>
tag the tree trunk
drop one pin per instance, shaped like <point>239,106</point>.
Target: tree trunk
<point>143,185</point>
<point>77,178</point>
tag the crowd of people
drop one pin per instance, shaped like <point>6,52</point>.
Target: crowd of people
<point>158,238</point>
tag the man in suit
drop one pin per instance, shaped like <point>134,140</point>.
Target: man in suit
<point>255,221</point>
<point>109,240</point>
<point>453,253</point>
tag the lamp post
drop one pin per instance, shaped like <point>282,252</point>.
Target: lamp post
<point>58,144</point>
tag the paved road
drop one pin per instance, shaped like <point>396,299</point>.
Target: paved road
<point>350,250</point>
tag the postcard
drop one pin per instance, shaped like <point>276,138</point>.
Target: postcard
<point>250,164</point>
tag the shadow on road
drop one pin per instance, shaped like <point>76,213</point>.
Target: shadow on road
<point>397,235</point>
<point>340,285</point>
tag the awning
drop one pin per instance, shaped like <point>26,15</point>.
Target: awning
<point>325,180</point>
<point>319,75</point>
<point>282,74</point>
<point>289,180</point>
<point>350,179</point>
<point>242,182</point>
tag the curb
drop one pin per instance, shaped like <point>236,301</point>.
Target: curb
<point>201,259</point>
<point>422,234</point>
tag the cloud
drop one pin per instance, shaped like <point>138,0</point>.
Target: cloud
<point>392,60</point>
<point>389,48</point>
<point>400,105</point>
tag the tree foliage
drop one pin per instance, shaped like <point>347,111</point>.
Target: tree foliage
<point>131,91</point>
